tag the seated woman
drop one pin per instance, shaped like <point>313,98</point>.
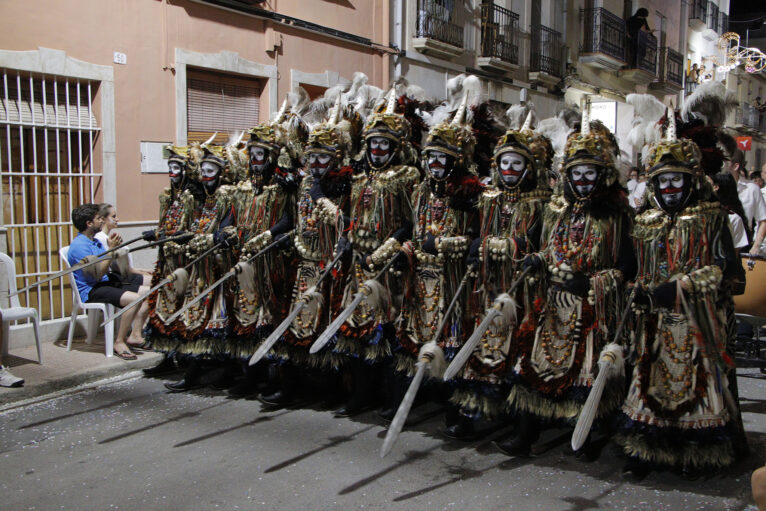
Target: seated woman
<point>109,214</point>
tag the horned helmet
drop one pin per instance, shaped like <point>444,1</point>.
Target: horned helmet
<point>520,157</point>
<point>386,137</point>
<point>222,165</point>
<point>332,143</point>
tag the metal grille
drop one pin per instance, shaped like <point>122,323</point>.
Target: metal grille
<point>439,19</point>
<point>49,133</point>
<point>698,10</point>
<point>499,33</point>
<point>603,32</point>
<point>723,23</point>
<point>646,52</point>
<point>671,66</point>
<point>547,51</point>
<point>712,16</point>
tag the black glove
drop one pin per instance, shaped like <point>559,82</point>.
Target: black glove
<point>532,261</point>
<point>283,241</point>
<point>150,235</point>
<point>721,263</point>
<point>315,192</point>
<point>429,244</point>
<point>363,262</point>
<point>185,237</point>
<point>401,262</point>
<point>343,246</point>
<point>226,239</point>
<point>665,294</point>
<point>640,295</point>
<point>578,285</point>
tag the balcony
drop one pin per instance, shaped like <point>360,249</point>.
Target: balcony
<point>642,59</point>
<point>546,63</point>
<point>439,29</point>
<point>723,23</point>
<point>603,44</point>
<point>499,39</point>
<point>698,14</point>
<point>710,33</point>
<point>749,117</point>
<point>670,78</point>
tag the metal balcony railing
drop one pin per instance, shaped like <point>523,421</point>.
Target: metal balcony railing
<point>671,66</point>
<point>723,23</point>
<point>698,10</point>
<point>645,57</point>
<point>499,33</point>
<point>603,32</point>
<point>547,53</point>
<point>690,87</point>
<point>439,20</point>
<point>712,16</point>
<point>752,118</point>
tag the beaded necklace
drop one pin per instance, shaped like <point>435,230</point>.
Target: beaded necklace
<point>206,217</point>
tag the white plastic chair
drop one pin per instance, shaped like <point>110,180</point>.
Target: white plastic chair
<point>16,311</point>
<point>106,309</point>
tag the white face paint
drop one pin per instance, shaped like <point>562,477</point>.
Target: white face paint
<point>584,178</point>
<point>437,162</point>
<point>379,151</point>
<point>320,164</point>
<point>210,172</point>
<point>671,186</point>
<point>176,172</point>
<point>258,160</point>
<point>512,167</point>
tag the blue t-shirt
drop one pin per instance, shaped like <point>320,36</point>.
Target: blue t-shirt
<point>81,247</point>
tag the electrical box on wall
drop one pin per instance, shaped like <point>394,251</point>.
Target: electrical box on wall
<point>154,158</point>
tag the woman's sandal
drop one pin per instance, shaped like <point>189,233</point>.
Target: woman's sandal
<point>125,355</point>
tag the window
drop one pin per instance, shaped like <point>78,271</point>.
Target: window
<point>220,103</point>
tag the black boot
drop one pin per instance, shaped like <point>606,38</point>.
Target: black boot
<point>361,393</point>
<point>520,444</point>
<point>284,393</point>
<point>459,426</point>
<point>395,390</point>
<point>226,377</point>
<point>191,380</point>
<point>248,385</point>
<point>635,469</point>
<point>167,365</point>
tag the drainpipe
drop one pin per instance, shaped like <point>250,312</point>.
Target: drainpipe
<point>683,45</point>
<point>397,6</point>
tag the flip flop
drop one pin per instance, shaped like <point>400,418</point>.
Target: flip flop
<point>125,355</point>
<point>144,346</point>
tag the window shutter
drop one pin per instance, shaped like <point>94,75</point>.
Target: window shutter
<point>217,103</point>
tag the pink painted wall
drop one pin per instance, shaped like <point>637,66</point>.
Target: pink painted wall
<point>149,31</point>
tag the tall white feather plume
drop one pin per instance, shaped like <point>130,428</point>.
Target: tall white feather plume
<point>282,111</point>
<point>454,92</point>
<point>710,102</point>
<point>517,115</point>
<point>471,96</point>
<point>556,130</point>
<point>298,101</point>
<point>647,111</point>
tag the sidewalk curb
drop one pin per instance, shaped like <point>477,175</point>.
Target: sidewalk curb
<point>13,398</point>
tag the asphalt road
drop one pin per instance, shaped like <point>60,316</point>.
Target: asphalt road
<point>131,445</point>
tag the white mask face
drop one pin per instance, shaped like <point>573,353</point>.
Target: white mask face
<point>437,163</point>
<point>379,151</point>
<point>258,160</point>
<point>584,178</point>
<point>176,172</point>
<point>320,164</point>
<point>210,172</point>
<point>512,167</point>
<point>671,186</point>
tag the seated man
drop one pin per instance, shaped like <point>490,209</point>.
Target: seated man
<point>97,284</point>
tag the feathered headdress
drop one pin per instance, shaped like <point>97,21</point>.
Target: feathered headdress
<point>231,158</point>
<point>536,148</point>
<point>389,124</point>
<point>593,144</point>
<point>338,136</point>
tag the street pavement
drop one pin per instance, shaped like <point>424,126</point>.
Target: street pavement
<point>131,445</point>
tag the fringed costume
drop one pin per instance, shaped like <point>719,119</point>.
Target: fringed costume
<point>511,220</point>
<point>178,206</point>
<point>587,257</point>
<point>680,411</point>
